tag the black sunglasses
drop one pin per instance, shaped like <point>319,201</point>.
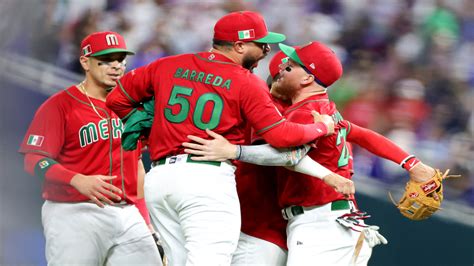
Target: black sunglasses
<point>263,46</point>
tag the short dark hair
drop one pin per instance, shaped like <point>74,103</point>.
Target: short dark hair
<point>221,44</point>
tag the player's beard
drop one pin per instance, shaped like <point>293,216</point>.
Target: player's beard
<point>249,62</point>
<point>282,90</point>
<point>277,92</point>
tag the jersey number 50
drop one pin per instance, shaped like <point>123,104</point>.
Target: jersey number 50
<point>179,96</point>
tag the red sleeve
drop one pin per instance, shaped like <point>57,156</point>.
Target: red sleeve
<point>289,134</point>
<point>42,166</point>
<point>376,143</point>
<point>46,134</point>
<point>131,89</point>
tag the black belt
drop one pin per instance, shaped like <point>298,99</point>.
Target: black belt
<point>173,160</point>
<point>293,211</point>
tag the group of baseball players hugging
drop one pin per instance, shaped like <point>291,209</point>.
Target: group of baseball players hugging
<point>243,172</point>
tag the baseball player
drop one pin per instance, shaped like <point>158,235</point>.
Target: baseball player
<point>193,205</point>
<point>323,224</point>
<point>263,238</point>
<point>91,214</point>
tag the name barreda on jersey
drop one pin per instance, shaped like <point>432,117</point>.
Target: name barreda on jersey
<point>203,77</point>
<point>92,132</point>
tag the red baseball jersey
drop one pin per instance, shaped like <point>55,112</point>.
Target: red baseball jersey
<point>194,92</point>
<point>331,152</point>
<point>258,194</point>
<point>67,129</point>
<point>261,215</point>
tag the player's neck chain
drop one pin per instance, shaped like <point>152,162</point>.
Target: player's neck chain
<point>82,88</point>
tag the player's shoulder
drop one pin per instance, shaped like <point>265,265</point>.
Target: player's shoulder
<point>59,99</point>
<point>254,81</point>
<point>321,105</point>
<point>175,58</point>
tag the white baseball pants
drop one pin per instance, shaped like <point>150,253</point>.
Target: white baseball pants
<point>196,210</point>
<point>84,234</point>
<point>315,238</point>
<point>258,252</point>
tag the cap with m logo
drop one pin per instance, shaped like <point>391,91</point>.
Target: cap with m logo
<point>101,43</point>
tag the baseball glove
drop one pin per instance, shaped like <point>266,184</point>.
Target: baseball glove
<point>421,200</point>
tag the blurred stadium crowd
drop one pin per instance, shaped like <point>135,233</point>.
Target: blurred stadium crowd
<point>408,64</point>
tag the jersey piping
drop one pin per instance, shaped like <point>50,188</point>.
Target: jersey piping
<point>125,92</point>
<point>214,61</point>
<point>303,103</point>
<point>270,126</point>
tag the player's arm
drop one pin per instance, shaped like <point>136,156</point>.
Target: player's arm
<point>308,166</point>
<point>141,205</point>
<point>220,149</point>
<point>131,90</point>
<point>288,134</point>
<point>295,158</point>
<point>385,148</point>
<point>263,116</point>
<point>95,187</point>
<point>140,202</point>
<point>43,143</point>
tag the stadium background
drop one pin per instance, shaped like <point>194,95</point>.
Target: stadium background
<point>408,74</point>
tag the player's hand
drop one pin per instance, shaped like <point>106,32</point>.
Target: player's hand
<point>216,149</point>
<point>326,119</point>
<point>96,188</point>
<point>340,184</point>
<point>373,236</point>
<point>421,172</point>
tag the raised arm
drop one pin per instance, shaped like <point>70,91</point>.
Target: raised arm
<point>385,148</point>
<point>131,89</point>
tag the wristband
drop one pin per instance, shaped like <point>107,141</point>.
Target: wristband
<point>239,152</point>
<point>409,162</point>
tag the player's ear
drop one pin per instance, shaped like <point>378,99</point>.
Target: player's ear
<point>84,63</point>
<point>307,79</point>
<point>239,47</point>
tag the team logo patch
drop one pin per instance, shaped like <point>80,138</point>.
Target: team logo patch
<point>429,187</point>
<point>111,40</point>
<point>87,50</point>
<point>35,140</point>
<point>246,34</point>
<point>413,195</point>
<point>43,164</point>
